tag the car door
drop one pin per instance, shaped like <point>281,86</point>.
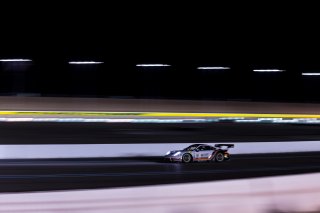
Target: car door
<point>204,152</point>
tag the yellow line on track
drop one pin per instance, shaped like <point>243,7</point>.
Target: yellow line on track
<point>160,114</point>
<point>229,115</point>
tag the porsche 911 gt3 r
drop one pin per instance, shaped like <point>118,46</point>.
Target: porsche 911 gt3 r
<point>200,152</point>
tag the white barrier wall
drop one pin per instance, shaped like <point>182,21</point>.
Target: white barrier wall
<point>299,193</point>
<point>119,150</point>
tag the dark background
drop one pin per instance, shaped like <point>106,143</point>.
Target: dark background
<point>243,35</point>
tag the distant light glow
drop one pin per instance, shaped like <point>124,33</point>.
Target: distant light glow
<point>311,73</point>
<point>153,65</point>
<point>213,68</point>
<point>15,60</point>
<point>86,62</point>
<point>268,70</point>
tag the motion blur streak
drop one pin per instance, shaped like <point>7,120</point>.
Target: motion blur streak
<point>213,68</point>
<point>159,114</point>
<point>32,151</point>
<point>311,73</point>
<point>268,70</point>
<point>299,192</point>
<point>144,105</point>
<point>15,60</point>
<point>153,65</point>
<point>85,62</point>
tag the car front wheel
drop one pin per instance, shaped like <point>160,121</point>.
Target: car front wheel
<point>186,158</point>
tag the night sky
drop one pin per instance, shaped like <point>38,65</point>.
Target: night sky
<point>241,36</point>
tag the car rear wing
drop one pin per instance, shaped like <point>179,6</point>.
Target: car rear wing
<point>224,145</point>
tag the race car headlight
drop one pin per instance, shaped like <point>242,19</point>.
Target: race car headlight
<point>177,153</point>
<point>168,153</point>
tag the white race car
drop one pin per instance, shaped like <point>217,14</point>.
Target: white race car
<point>200,152</point>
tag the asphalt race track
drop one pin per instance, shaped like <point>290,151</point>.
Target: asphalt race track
<point>124,133</point>
<point>62,174</point>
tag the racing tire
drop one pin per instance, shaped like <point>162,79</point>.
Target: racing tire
<point>187,158</point>
<point>219,157</point>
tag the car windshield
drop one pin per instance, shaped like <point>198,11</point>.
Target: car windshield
<point>190,148</point>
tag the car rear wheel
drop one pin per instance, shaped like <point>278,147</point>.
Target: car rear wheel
<point>186,158</point>
<point>219,157</point>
